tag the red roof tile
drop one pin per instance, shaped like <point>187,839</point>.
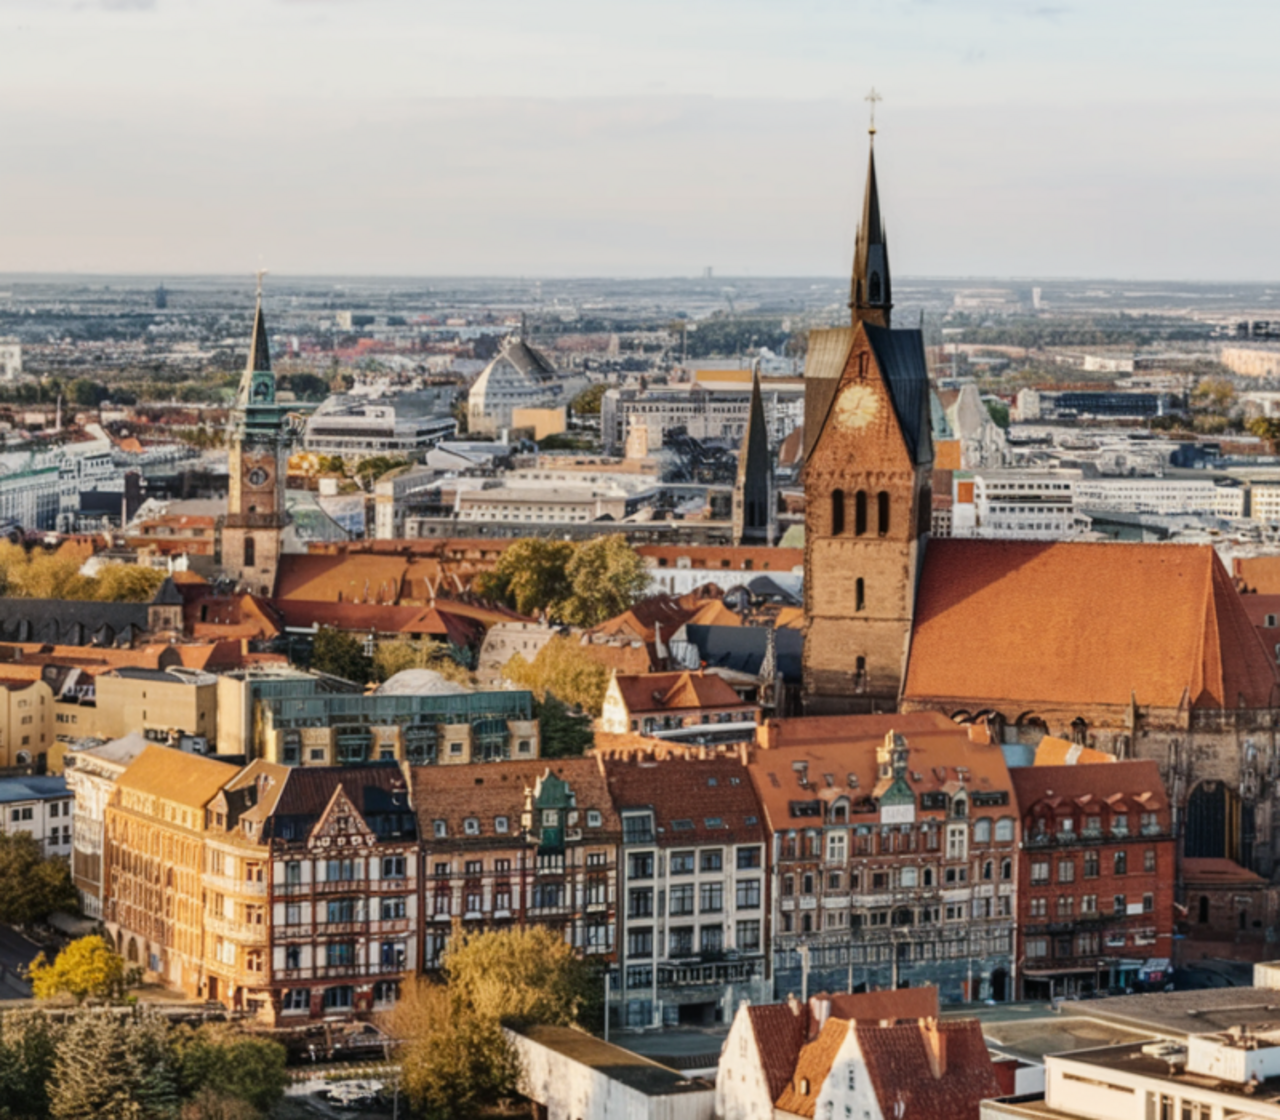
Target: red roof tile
<point>1083,623</point>
<point>683,691</point>
<point>780,1034</point>
<point>1135,782</point>
<point>694,801</point>
<point>903,1068</point>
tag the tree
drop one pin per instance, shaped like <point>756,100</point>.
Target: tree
<point>562,733</point>
<point>341,654</point>
<point>86,393</point>
<point>607,575</point>
<point>390,658</point>
<point>105,1066</point>
<point>587,403</point>
<point>218,1058</point>
<point>127,583</point>
<point>999,412</point>
<point>517,976</point>
<point>531,575</point>
<point>1267,428</point>
<point>86,967</point>
<point>28,1046</point>
<point>31,886</point>
<point>563,668</point>
<point>209,1104</point>
<point>454,1063</point>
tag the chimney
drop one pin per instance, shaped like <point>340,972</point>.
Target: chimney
<point>797,1008</point>
<point>935,1045</point>
<point>819,1012</point>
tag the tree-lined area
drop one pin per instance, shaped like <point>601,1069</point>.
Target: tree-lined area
<point>56,575</point>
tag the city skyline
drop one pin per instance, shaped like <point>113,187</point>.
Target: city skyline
<point>327,138</point>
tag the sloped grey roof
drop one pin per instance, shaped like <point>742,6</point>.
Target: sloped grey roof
<point>167,594</point>
<point>742,648</point>
<point>526,359</point>
<point>828,355</point>
<point>68,621</point>
<point>900,355</point>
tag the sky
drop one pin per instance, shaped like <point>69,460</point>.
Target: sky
<point>1082,138</point>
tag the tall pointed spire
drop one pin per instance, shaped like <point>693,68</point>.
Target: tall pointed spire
<point>870,293</point>
<point>259,350</point>
<point>753,520</point>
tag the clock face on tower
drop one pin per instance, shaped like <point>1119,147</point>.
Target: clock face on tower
<point>857,407</point>
<point>258,474</point>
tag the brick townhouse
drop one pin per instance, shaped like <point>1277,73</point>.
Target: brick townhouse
<point>1096,877</point>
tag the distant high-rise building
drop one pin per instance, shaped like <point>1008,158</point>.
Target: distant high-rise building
<point>162,298</point>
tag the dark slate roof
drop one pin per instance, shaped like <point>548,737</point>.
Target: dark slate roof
<point>766,587</point>
<point>900,355</point>
<point>168,595</point>
<point>823,366</point>
<point>69,621</point>
<point>377,790</point>
<point>742,648</point>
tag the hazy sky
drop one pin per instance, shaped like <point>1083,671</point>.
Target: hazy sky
<point>1128,138</point>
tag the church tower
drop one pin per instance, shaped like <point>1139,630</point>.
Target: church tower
<point>753,514</point>
<point>868,463</point>
<point>259,440</point>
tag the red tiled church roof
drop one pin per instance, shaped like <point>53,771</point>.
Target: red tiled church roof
<point>1083,623</point>
<point>950,1086</point>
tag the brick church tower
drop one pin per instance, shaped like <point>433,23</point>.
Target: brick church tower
<point>868,462</point>
<point>259,437</point>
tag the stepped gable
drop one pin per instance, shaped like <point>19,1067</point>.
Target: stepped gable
<point>1083,623</point>
<point>943,1079</point>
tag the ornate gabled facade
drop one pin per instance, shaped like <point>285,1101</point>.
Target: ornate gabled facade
<point>512,845</point>
<point>256,514</point>
<point>312,891</point>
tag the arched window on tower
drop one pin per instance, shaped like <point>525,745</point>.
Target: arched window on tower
<point>860,513</point>
<point>873,289</point>
<point>250,551</point>
<point>860,674</point>
<point>837,512</point>
<point>882,504</point>
<point>860,595</point>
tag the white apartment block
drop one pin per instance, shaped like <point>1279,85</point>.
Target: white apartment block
<point>41,807</point>
<point>1265,503</point>
<point>1016,505</point>
<point>1234,1075</point>
<point>541,506</point>
<point>1161,496</point>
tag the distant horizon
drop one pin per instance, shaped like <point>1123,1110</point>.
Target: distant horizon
<point>391,138</point>
<point>907,280</point>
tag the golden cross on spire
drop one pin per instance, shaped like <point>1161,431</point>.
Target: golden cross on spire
<point>872,98</point>
<point>260,272</point>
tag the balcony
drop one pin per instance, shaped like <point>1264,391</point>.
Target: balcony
<point>242,932</point>
<point>225,884</point>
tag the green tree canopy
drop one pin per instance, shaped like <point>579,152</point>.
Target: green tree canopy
<point>563,668</point>
<point>582,584</point>
<point>87,967</point>
<point>563,733</point>
<point>587,403</point>
<point>32,886</point>
<point>341,654</point>
<point>219,1058</point>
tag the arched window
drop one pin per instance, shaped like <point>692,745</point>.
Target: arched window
<point>982,831</point>
<point>860,595</point>
<point>882,502</point>
<point>860,513</point>
<point>873,289</point>
<point>837,512</point>
<point>860,673</point>
<point>250,553</point>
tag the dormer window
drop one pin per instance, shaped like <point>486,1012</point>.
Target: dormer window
<point>471,826</point>
<point>593,818</point>
<point>501,825</point>
<point>440,829</point>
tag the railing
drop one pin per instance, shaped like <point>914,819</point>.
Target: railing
<point>246,933</point>
<point>227,885</point>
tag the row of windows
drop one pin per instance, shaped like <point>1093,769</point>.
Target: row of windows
<point>1092,864</point>
<point>1066,905</point>
<point>640,865</point>
<point>680,900</point>
<point>680,942</point>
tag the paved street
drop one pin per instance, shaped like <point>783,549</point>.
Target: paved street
<point>16,952</point>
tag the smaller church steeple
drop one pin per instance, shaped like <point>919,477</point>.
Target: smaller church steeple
<point>870,294</point>
<point>753,519</point>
